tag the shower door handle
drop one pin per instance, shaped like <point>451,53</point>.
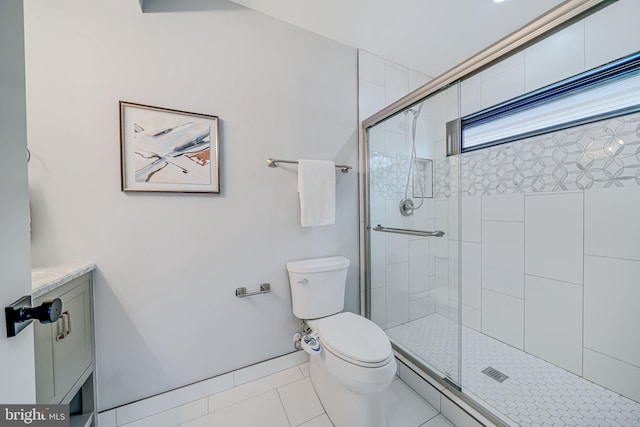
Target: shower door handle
<point>421,233</point>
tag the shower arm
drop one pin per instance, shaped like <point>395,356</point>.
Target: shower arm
<point>409,232</point>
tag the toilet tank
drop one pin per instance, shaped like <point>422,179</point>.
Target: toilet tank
<point>317,286</point>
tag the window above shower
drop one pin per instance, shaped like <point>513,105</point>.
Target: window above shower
<point>604,92</point>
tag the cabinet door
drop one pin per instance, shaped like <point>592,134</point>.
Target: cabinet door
<point>43,336</point>
<point>72,352</point>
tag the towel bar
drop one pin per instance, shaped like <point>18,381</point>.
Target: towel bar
<point>272,163</point>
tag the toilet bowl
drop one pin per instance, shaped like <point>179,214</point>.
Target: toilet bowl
<point>355,364</point>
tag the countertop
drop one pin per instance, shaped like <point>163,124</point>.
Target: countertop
<point>44,280</point>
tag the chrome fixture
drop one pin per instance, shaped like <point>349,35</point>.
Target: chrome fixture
<point>406,204</point>
<point>421,233</point>
<point>406,207</point>
<point>265,288</point>
<point>272,163</point>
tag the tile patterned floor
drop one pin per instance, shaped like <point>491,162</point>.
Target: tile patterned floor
<point>536,393</point>
<point>287,399</point>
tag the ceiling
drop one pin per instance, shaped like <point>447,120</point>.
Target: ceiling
<point>430,36</point>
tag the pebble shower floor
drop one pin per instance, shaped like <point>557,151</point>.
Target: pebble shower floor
<point>536,393</point>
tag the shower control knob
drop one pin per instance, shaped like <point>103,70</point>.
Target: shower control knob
<point>47,312</point>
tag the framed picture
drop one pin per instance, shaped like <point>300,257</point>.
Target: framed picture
<point>168,150</point>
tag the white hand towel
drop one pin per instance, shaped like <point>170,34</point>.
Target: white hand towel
<point>317,189</point>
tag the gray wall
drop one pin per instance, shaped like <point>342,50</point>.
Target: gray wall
<point>168,264</point>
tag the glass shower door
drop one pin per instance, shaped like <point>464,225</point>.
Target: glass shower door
<point>413,205</point>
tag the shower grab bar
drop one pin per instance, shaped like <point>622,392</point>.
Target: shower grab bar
<point>272,163</point>
<point>409,232</point>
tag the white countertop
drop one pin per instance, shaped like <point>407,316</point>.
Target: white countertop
<point>44,280</point>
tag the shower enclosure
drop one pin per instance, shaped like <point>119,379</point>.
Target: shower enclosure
<point>502,232</point>
<point>414,221</point>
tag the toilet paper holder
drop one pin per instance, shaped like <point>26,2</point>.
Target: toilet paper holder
<point>265,288</point>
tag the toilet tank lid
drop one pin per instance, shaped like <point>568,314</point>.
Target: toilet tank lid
<point>318,265</point>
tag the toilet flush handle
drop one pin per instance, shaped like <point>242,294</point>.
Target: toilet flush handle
<point>303,282</point>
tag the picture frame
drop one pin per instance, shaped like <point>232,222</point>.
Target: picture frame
<point>165,150</point>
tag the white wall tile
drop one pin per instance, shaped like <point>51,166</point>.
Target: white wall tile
<point>503,81</point>
<point>106,419</point>
<point>564,49</point>
<point>454,266</point>
<point>471,274</point>
<point>471,219</point>
<point>554,236</point>
<point>379,306</point>
<point>393,216</point>
<point>611,315</point>
<point>453,221</point>
<point>553,322</point>
<point>613,374</point>
<point>376,138</point>
<point>174,416</point>
<point>420,219</point>
<point>453,107</point>
<point>503,207</point>
<point>370,67</point>
<point>371,99</point>
<point>397,248</point>
<point>612,32</point>
<point>417,79</point>
<point>395,142</point>
<point>442,221</point>
<point>398,123</point>
<point>397,294</point>
<point>471,95</point>
<point>396,82</point>
<point>418,267</point>
<point>503,318</point>
<point>378,259</point>
<point>300,401</point>
<point>420,386</point>
<point>424,145</point>
<point>440,295</point>
<point>456,415</point>
<point>611,222</point>
<point>419,308</point>
<point>503,257</point>
<point>472,317</point>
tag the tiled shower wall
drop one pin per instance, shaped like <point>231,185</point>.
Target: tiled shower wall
<point>402,267</point>
<point>548,238</point>
<point>551,252</point>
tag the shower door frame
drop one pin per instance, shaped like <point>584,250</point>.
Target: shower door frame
<point>555,20</point>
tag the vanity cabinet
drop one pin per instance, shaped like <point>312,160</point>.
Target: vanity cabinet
<point>64,351</point>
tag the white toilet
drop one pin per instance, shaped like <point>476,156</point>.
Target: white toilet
<point>355,363</point>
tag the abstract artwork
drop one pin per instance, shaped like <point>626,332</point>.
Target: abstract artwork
<point>168,150</point>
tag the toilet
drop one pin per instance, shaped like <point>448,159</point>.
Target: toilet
<point>354,363</point>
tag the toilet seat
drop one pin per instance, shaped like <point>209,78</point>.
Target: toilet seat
<point>355,339</point>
